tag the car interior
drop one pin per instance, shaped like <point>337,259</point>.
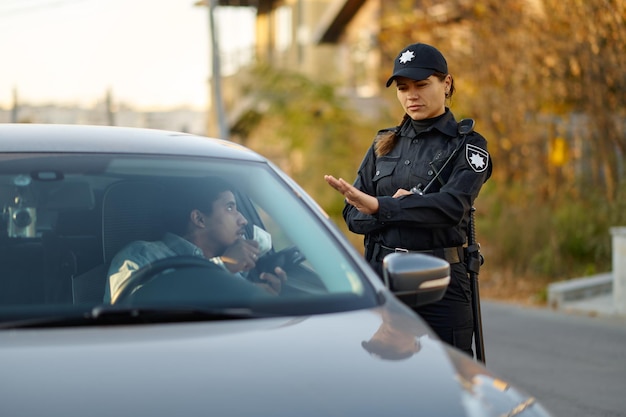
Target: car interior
<point>49,231</point>
<point>129,212</point>
<point>65,219</point>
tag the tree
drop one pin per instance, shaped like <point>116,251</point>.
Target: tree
<point>540,77</point>
<point>527,68</point>
<point>306,129</point>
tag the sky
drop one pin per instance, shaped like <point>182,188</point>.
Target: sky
<point>150,54</point>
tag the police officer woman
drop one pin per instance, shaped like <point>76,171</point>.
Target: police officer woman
<point>416,186</point>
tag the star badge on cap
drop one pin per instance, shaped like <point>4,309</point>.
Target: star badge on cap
<point>406,56</point>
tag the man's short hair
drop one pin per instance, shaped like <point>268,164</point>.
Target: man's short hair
<point>188,195</point>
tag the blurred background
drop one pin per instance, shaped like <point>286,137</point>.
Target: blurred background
<point>302,82</point>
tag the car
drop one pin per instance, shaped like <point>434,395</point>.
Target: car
<point>180,340</point>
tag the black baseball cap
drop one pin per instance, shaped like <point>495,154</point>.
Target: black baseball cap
<point>418,62</point>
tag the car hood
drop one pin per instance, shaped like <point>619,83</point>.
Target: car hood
<point>378,362</point>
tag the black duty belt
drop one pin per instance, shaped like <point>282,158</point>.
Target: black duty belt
<point>452,255</point>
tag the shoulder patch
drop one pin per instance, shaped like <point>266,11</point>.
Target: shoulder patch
<point>476,157</point>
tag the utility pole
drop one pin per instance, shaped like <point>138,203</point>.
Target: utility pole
<point>216,77</point>
<point>15,108</point>
<point>109,108</point>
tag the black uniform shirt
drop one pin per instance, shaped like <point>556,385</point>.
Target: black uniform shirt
<point>437,219</point>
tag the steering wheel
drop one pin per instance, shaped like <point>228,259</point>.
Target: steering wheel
<point>287,259</point>
<point>180,279</point>
<point>301,280</point>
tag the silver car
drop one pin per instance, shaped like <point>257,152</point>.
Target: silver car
<point>184,339</point>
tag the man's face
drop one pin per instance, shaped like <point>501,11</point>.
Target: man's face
<point>225,224</point>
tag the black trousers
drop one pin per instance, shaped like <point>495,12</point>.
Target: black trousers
<point>451,317</point>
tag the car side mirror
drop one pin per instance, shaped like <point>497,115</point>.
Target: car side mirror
<point>416,279</point>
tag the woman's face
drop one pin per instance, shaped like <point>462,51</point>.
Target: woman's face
<point>423,99</point>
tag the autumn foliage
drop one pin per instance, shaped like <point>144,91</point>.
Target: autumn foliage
<point>545,81</point>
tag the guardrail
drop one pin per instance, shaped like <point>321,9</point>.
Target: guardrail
<point>606,292</point>
<point>560,293</point>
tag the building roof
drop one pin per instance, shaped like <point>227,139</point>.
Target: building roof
<point>333,23</point>
<point>263,6</point>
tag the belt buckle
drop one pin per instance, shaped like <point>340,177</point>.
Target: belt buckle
<point>402,250</point>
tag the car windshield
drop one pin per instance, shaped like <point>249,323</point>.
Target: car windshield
<point>66,216</point>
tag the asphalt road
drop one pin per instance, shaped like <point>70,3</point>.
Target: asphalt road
<point>575,365</point>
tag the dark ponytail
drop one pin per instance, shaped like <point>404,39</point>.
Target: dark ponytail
<point>385,142</point>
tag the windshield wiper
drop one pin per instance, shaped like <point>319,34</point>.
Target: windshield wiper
<point>171,313</point>
<point>116,315</point>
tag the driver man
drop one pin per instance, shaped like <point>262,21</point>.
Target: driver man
<point>205,223</point>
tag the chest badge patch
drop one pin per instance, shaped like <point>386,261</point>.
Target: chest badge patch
<point>476,157</point>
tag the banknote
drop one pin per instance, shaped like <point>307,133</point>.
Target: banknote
<point>263,238</point>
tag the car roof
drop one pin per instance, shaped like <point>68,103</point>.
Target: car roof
<point>22,137</point>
